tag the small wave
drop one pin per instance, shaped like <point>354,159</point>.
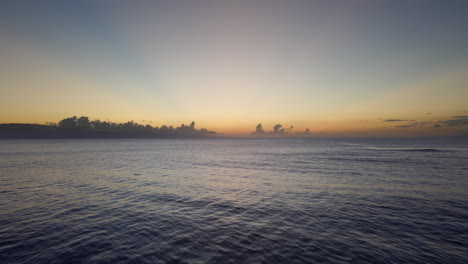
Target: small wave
<point>413,149</point>
<point>421,150</point>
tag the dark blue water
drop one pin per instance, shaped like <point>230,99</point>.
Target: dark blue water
<point>234,201</point>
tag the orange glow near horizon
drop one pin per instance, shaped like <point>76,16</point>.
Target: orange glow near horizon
<point>234,66</point>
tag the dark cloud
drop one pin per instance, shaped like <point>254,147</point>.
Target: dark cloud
<point>415,124</point>
<point>428,113</point>
<point>279,130</point>
<point>396,120</point>
<point>82,127</point>
<point>455,121</point>
<point>305,133</point>
<point>259,130</point>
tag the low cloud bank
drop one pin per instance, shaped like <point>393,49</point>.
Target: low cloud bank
<point>83,127</point>
<point>454,121</point>
<point>279,130</point>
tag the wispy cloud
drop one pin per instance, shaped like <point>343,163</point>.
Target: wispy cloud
<point>397,120</point>
<point>455,121</point>
<point>415,124</point>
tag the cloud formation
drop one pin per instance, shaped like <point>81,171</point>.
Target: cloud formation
<point>415,124</point>
<point>455,121</point>
<point>396,120</point>
<point>279,130</point>
<point>460,120</point>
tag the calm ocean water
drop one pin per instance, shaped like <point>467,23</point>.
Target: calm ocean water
<point>234,201</point>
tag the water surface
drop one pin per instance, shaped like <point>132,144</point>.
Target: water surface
<point>234,201</point>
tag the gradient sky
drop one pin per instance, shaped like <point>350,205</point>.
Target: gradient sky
<point>341,68</point>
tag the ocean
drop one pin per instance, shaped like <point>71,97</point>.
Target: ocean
<point>234,201</point>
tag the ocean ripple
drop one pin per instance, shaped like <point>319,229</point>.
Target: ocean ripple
<point>233,201</point>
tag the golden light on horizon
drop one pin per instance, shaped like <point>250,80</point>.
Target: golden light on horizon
<point>276,65</point>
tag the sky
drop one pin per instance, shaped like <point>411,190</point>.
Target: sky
<point>339,68</point>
